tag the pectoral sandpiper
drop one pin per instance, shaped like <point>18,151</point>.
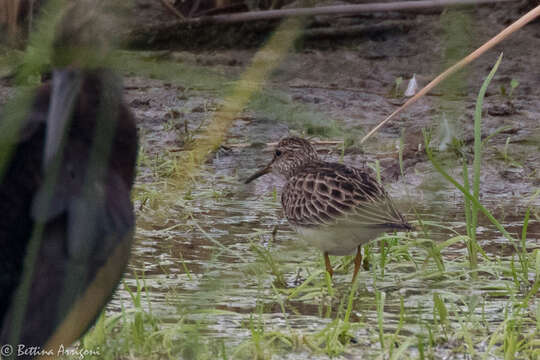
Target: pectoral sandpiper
<point>334,207</point>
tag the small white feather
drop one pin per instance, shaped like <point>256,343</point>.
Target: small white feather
<point>411,87</point>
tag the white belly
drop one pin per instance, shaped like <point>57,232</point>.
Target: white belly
<point>338,240</point>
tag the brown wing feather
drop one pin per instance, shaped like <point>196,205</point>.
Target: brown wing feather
<point>328,193</point>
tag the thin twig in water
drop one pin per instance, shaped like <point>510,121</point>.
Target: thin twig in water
<point>355,30</point>
<point>337,10</point>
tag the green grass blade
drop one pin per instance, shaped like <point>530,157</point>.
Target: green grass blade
<point>474,200</point>
<point>477,161</point>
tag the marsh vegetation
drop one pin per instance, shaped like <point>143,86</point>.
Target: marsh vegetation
<point>216,272</point>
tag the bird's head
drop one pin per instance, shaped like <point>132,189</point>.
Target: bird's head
<point>290,155</point>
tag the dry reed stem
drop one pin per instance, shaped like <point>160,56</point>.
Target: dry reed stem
<point>335,10</point>
<point>522,21</point>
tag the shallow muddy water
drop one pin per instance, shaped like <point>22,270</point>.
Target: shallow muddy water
<point>200,263</point>
<point>209,257</point>
<point>221,255</point>
<point>217,256</point>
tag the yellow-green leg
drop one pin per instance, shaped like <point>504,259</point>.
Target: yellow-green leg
<point>357,262</point>
<point>328,265</point>
<point>365,265</point>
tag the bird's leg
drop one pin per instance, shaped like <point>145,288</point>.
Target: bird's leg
<point>365,265</point>
<point>357,262</point>
<point>328,265</point>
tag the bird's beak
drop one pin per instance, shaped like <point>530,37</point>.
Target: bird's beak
<point>66,84</point>
<point>260,173</point>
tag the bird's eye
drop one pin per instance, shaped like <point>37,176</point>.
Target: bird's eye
<point>278,152</point>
